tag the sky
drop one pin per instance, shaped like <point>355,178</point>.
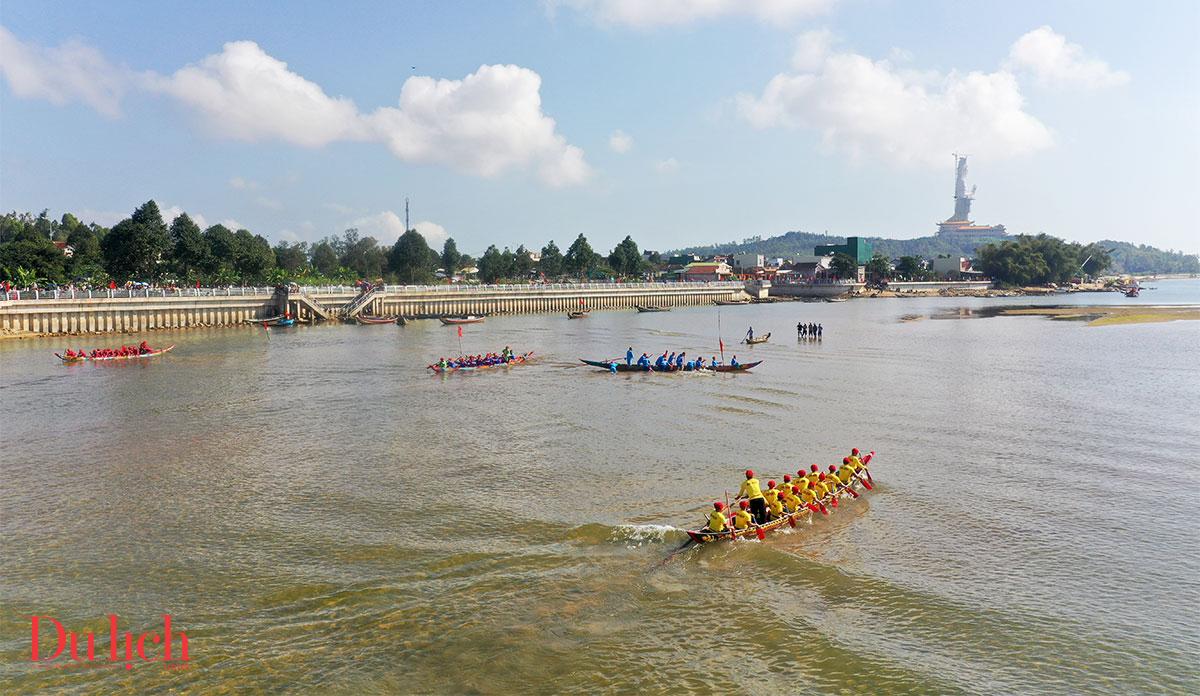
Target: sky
<point>678,122</point>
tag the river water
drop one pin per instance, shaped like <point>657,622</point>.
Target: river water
<point>319,513</point>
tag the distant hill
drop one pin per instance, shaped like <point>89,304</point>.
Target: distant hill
<point>1127,258</point>
<point>803,242</point>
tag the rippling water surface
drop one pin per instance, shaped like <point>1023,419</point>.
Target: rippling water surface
<point>319,512</point>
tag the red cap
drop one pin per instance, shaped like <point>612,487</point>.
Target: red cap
<point>814,468</point>
<point>719,505</point>
<point>787,478</point>
<point>771,483</point>
<point>745,504</point>
<point>845,460</point>
<point>749,473</point>
<point>832,467</point>
<point>822,476</point>
<point>795,489</point>
<point>811,484</point>
<point>854,451</point>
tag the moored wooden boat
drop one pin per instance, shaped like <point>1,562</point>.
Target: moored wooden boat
<point>374,320</point>
<point>725,303</point>
<point>577,315</point>
<point>758,339</point>
<point>85,358</point>
<point>651,308</point>
<point>452,321</point>
<point>516,361</point>
<point>622,367</point>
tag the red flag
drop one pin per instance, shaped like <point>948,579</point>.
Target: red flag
<point>722,343</point>
<point>460,332</point>
<point>581,302</point>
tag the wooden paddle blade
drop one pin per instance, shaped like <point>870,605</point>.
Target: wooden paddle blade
<point>824,510</point>
<point>852,491</point>
<point>833,499</point>
<point>813,507</point>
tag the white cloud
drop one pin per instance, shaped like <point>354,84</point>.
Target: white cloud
<point>245,94</point>
<point>1056,63</point>
<point>169,214</point>
<point>874,108</point>
<point>387,226</point>
<point>241,184</point>
<point>232,224</point>
<point>620,142</point>
<point>435,235</point>
<point>267,202</point>
<point>668,166</point>
<point>488,122</point>
<point>72,72</point>
<point>812,47</point>
<point>643,14</point>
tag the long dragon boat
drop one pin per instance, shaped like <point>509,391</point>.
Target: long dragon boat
<point>85,358</point>
<point>516,360</point>
<point>703,535</point>
<point>622,367</point>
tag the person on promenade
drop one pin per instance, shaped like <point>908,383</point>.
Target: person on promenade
<point>716,518</point>
<point>629,356</point>
<point>742,518</point>
<point>750,491</point>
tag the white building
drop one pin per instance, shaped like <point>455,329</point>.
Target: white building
<point>747,261</point>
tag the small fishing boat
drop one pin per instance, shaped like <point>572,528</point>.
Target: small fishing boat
<point>622,367</point>
<point>84,358</point>
<point>361,319</point>
<point>757,339</point>
<point>651,308</point>
<point>267,320</point>
<point>577,315</point>
<point>453,321</point>
<point>835,299</point>
<point>280,322</point>
<point>516,361</point>
<point>1133,292</point>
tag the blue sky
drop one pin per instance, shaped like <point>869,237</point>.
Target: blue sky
<point>739,118</point>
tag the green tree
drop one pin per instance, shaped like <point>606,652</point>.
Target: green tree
<point>362,255</point>
<point>909,267</point>
<point>218,265</point>
<point>491,265</point>
<point>291,258</point>
<point>411,260</point>
<point>136,247</point>
<point>522,264</point>
<point>580,257</point>
<point>39,259</point>
<point>324,258</point>
<point>451,260</point>
<point>189,249</point>
<point>86,263</point>
<point>551,263</point>
<point>508,263</point>
<point>879,268</point>
<point>843,266</point>
<point>253,257</point>
<point>626,258</point>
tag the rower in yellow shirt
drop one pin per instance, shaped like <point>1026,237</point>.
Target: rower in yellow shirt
<point>751,491</point>
<point>775,506</point>
<point>790,499</point>
<point>846,474</point>
<point>771,494</point>
<point>742,518</point>
<point>855,461</point>
<point>716,518</point>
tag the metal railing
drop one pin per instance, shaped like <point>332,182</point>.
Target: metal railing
<point>122,293</point>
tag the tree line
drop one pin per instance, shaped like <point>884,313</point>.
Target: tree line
<point>144,248</point>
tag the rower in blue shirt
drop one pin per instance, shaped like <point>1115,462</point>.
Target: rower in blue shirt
<point>671,359</point>
<point>660,363</point>
<point>629,356</point>
<point>733,362</point>
<point>679,361</point>
<point>644,362</point>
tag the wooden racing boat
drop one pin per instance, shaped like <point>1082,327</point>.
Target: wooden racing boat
<point>703,535</point>
<point>516,361</point>
<point>622,367</point>
<point>85,358</point>
<point>374,320</point>
<point>452,321</point>
<point>651,308</point>
<point>757,339</point>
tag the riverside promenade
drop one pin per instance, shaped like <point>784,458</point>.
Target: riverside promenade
<point>66,312</point>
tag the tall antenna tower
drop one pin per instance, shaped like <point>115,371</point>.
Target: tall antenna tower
<point>406,227</point>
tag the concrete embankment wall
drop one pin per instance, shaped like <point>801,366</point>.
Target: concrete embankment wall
<point>103,315</point>
<point>128,314</point>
